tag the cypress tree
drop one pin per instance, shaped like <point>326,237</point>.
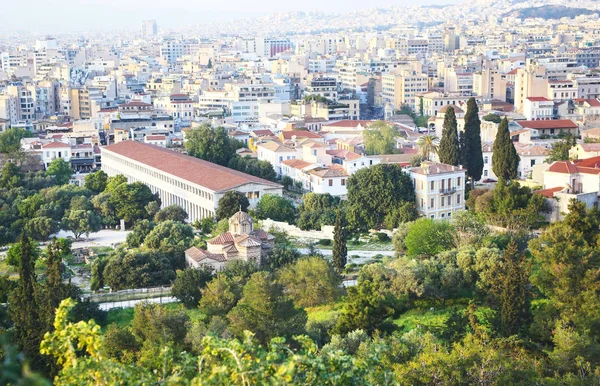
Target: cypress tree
<point>505,160</point>
<point>23,308</point>
<point>449,151</point>
<point>471,150</point>
<point>54,290</point>
<point>340,250</point>
<point>510,287</point>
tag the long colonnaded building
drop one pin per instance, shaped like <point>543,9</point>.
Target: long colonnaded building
<point>194,184</point>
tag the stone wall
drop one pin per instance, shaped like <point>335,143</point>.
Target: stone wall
<point>326,231</point>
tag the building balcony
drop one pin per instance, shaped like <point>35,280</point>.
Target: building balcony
<point>447,191</point>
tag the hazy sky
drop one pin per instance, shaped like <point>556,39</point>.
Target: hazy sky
<point>68,15</point>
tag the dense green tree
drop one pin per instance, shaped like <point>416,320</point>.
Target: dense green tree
<point>380,138</point>
<point>449,149</point>
<point>231,203</point>
<point>81,222</point>
<point>221,294</point>
<point>155,323</point>
<point>471,151</point>
<point>53,290</point>
<point>60,171</point>
<point>404,213</point>
<point>130,200</point>
<point>98,267</point>
<point>96,182</point>
<point>373,192</point>
<point>491,117</point>
<point>135,269</point>
<point>136,237</point>
<point>265,310</point>
<point>505,160</point>
<point>169,235</point>
<point>367,308</point>
<point>120,344</point>
<point>40,228</point>
<point>560,149</point>
<point>10,176</point>
<point>189,284</point>
<point>282,255</point>
<point>340,250</point>
<point>29,328</point>
<point>310,282</point>
<point>10,140</point>
<point>103,204</point>
<point>276,208</point>
<point>428,237</point>
<point>206,225</point>
<point>172,213</point>
<point>511,290</point>
<point>253,166</point>
<point>586,221</point>
<point>13,255</point>
<point>210,144</point>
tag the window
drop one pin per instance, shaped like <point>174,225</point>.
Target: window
<point>458,181</point>
<point>330,182</point>
<point>443,215</point>
<point>433,216</point>
<point>432,185</point>
<point>315,152</point>
<point>485,160</point>
<point>343,182</point>
<point>449,214</point>
<point>432,203</point>
<point>458,199</point>
<point>443,201</point>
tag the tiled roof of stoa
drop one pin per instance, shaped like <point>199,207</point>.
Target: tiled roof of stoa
<point>203,173</point>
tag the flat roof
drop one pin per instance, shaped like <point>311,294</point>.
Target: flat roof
<point>207,174</point>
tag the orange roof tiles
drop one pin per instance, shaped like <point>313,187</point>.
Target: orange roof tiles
<point>549,124</point>
<point>212,176</point>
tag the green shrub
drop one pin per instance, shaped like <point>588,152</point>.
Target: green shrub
<point>325,242</point>
<point>382,237</point>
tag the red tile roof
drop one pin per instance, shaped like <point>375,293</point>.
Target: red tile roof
<point>350,123</point>
<point>156,137</point>
<point>55,145</point>
<point>549,193</point>
<point>212,176</point>
<point>538,99</point>
<point>299,134</point>
<point>549,124</point>
<point>593,162</point>
<point>567,167</point>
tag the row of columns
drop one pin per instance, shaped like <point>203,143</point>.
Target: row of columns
<point>194,211</point>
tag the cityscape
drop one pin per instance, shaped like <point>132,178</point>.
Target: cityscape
<point>341,193</point>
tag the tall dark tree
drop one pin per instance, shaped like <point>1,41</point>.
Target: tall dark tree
<point>211,144</point>
<point>231,203</point>
<point>472,152</point>
<point>449,149</point>
<point>340,250</point>
<point>511,289</point>
<point>23,308</point>
<point>505,160</point>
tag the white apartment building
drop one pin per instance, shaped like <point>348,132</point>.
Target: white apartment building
<point>490,84</point>
<point>178,106</point>
<point>400,88</point>
<point>561,90</point>
<point>434,101</point>
<point>322,87</point>
<point>538,108</point>
<point>171,50</point>
<point>439,189</point>
<point>194,184</point>
<point>275,153</point>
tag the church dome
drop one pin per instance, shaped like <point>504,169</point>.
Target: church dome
<point>240,223</point>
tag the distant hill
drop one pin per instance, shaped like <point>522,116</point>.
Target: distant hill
<point>550,12</point>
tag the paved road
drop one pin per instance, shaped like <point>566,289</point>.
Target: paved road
<point>364,256</point>
<point>103,238</point>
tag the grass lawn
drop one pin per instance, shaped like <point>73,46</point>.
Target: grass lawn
<point>9,270</point>
<point>426,318</point>
<point>122,317</point>
<point>101,250</point>
<point>324,312</point>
